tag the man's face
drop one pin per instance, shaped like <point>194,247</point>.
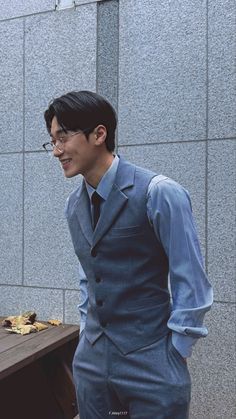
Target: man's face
<point>78,154</point>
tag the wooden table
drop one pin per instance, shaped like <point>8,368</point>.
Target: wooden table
<point>35,374</point>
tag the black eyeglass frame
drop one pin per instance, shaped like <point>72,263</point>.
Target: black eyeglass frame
<point>63,138</point>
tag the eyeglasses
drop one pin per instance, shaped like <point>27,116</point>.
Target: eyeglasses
<point>59,143</point>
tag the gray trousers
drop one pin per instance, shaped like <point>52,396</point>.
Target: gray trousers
<point>149,383</point>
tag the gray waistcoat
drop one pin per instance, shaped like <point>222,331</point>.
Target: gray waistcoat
<point>125,264</point>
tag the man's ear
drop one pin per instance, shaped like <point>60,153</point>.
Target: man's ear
<point>100,133</point>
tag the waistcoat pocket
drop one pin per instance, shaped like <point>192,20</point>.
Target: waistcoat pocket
<point>126,231</point>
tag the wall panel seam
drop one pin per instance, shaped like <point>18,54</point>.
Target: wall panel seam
<point>23,161</point>
<point>38,287</point>
<point>27,15</point>
<point>97,47</point>
<point>162,143</point>
<point>207,133</point>
<point>4,153</point>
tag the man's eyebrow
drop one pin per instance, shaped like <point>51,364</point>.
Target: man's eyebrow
<point>58,131</point>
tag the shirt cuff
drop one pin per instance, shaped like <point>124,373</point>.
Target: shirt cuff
<point>183,344</point>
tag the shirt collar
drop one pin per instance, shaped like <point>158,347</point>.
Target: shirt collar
<point>105,185</point>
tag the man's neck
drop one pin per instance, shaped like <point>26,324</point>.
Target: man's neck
<point>95,175</point>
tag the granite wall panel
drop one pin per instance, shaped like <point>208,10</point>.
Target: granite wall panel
<point>47,303</point>
<point>222,74</point>
<point>212,367</point>
<point>11,81</point>
<point>221,217</point>
<point>60,55</point>
<point>15,8</point>
<point>11,219</point>
<point>107,56</point>
<point>162,71</point>
<point>49,256</point>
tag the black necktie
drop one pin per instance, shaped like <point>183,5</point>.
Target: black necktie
<point>96,201</point>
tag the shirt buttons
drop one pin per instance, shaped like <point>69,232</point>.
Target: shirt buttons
<point>100,303</point>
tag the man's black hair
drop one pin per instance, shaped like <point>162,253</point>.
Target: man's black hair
<point>83,110</point>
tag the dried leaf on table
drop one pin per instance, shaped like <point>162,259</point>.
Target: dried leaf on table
<point>8,321</point>
<point>26,318</point>
<point>55,322</point>
<point>25,323</point>
<point>23,329</point>
<point>30,315</point>
<point>40,326</point>
<point>28,328</point>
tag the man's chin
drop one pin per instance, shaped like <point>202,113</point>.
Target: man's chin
<point>69,174</point>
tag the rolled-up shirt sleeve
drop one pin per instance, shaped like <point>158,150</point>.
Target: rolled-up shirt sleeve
<point>169,210</point>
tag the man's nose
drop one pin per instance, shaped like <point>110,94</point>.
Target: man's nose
<point>57,152</point>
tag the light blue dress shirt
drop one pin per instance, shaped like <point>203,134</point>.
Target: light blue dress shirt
<point>169,212</point>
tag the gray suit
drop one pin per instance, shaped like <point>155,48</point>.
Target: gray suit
<point>125,363</point>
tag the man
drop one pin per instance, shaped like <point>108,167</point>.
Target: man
<point>130,229</point>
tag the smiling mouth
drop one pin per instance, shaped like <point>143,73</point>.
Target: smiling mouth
<point>64,162</point>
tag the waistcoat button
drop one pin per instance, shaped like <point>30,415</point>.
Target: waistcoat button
<point>98,280</point>
<point>100,303</point>
<point>93,252</point>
